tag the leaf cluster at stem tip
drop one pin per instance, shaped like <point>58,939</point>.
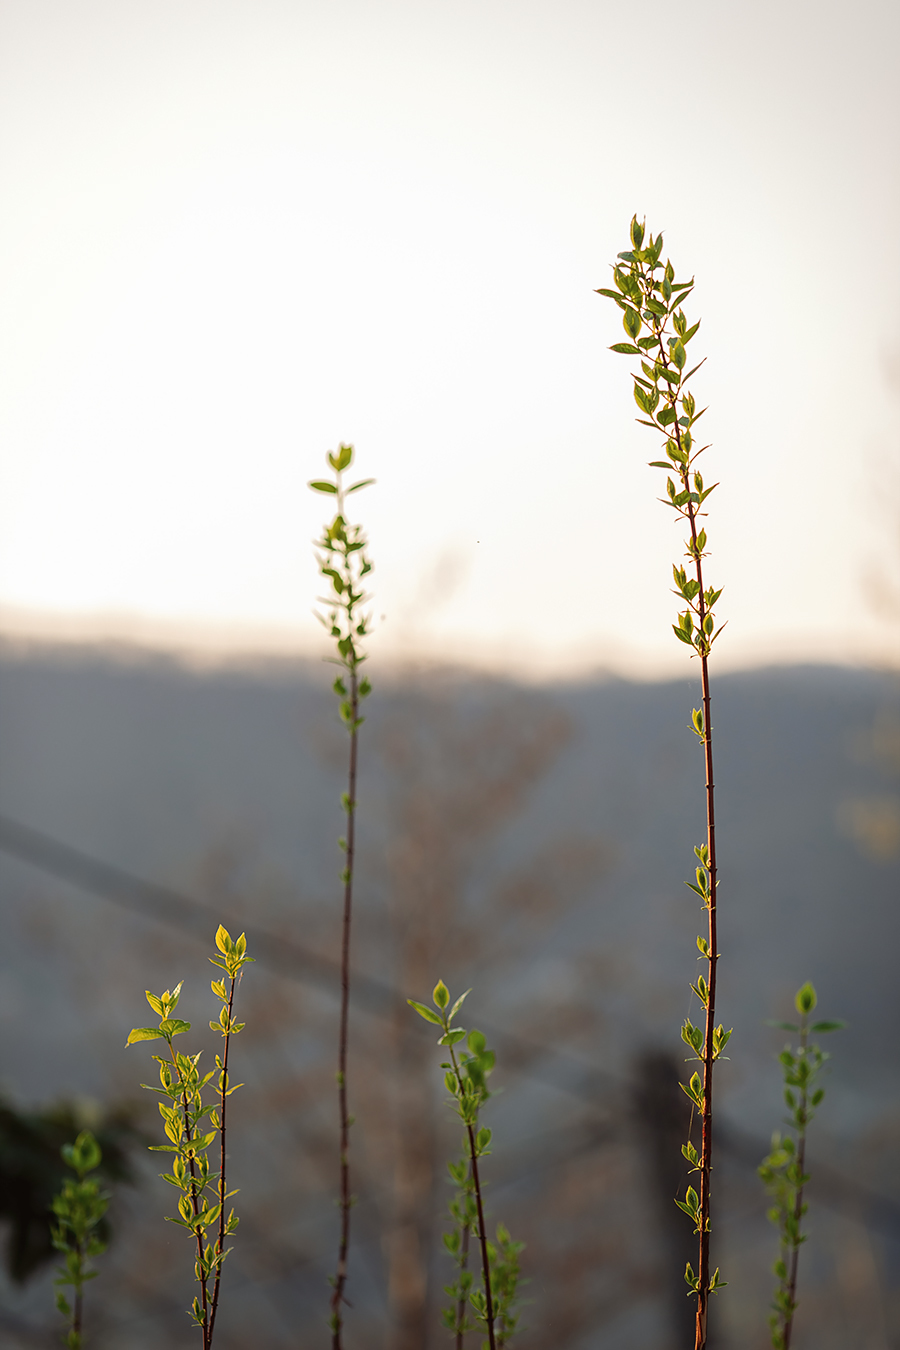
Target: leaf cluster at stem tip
<point>343,563</point>
<point>652,304</point>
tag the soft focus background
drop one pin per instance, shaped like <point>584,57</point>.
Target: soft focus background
<point>235,234</point>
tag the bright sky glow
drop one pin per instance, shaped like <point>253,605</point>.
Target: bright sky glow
<point>235,233</point>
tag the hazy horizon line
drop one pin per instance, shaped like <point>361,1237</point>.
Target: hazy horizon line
<point>204,645</point>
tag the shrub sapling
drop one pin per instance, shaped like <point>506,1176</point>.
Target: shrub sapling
<point>343,563</point>
<point>651,301</point>
<point>78,1207</point>
<point>465,1077</point>
<point>783,1171</point>
<point>201,1207</point>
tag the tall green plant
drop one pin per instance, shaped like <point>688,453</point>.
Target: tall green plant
<point>465,1077</point>
<point>652,301</point>
<point>79,1208</point>
<point>783,1171</point>
<point>343,563</point>
<point>201,1208</point>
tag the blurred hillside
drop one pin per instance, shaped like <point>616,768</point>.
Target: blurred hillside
<point>530,843</point>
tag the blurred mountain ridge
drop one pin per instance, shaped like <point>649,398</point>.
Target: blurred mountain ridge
<point>531,842</point>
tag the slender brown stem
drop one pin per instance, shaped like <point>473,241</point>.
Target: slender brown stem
<point>798,1199</point>
<point>340,1280</point>
<point>708,1050</point>
<point>482,1236</point>
<point>482,1229</point>
<point>703,1273</point>
<point>194,1205</point>
<point>223,1098</point>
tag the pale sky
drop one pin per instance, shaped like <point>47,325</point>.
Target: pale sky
<point>236,233</point>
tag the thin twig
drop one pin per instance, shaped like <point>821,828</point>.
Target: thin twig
<point>337,1296</point>
<point>223,1098</point>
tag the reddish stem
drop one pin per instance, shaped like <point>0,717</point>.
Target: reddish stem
<point>337,1296</point>
<point>482,1235</point>
<point>194,1206</point>
<point>703,1273</point>
<point>798,1200</point>
<point>220,1242</point>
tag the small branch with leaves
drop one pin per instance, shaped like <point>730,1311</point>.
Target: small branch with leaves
<point>79,1207</point>
<point>651,301</point>
<point>201,1208</point>
<point>784,1170</point>
<point>465,1077</point>
<point>343,563</point>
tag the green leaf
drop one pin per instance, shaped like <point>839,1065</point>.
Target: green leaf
<point>477,1043</point>
<point>173,1026</point>
<point>482,1139</point>
<point>451,1037</point>
<point>631,322</point>
<point>441,995</point>
<point>424,1012</point>
<point>319,485</point>
<point>143,1034</point>
<point>457,1005</point>
<point>821,1027</point>
<point>625,349</point>
<point>364,482</point>
<point>805,999</point>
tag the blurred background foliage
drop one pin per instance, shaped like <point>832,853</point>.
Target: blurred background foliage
<point>529,842</point>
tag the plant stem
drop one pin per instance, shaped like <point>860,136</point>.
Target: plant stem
<point>708,1051</point>
<point>712,937</point>
<point>346,1201</point>
<point>194,1205</point>
<point>223,1098</point>
<point>482,1236</point>
<point>798,1201</point>
<point>482,1228</point>
<point>703,1273</point>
